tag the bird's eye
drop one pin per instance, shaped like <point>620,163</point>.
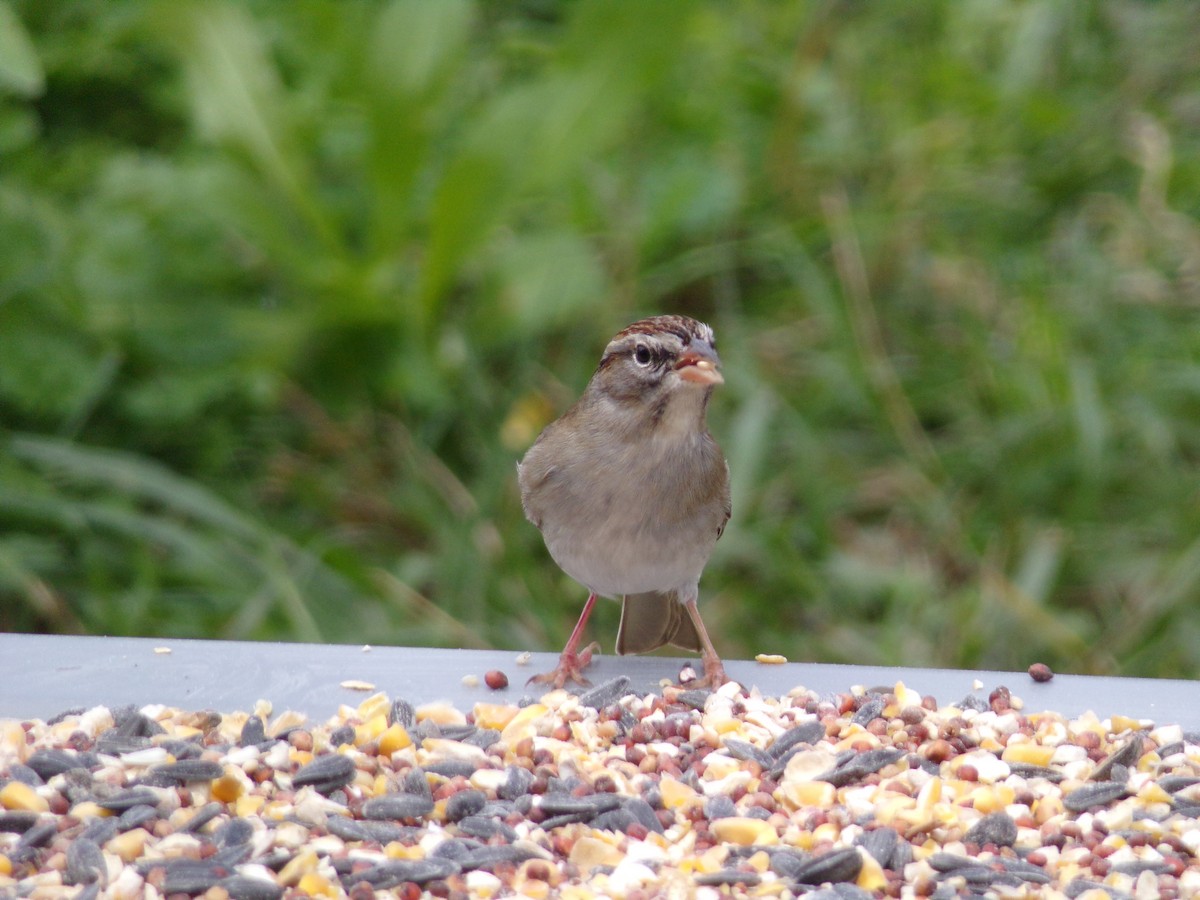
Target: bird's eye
<point>642,355</point>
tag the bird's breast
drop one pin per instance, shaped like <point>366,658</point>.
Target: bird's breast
<point>631,522</point>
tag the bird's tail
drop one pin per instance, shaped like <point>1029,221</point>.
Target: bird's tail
<point>651,620</point>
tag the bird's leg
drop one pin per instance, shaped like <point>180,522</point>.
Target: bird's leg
<point>571,662</point>
<point>714,671</point>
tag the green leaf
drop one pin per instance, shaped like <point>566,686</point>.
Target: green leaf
<point>547,278</point>
<point>415,42</point>
<point>20,69</point>
<point>414,52</point>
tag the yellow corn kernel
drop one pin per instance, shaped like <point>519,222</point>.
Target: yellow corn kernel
<point>745,831</point>
<point>870,876</point>
<point>249,804</point>
<point>495,715</point>
<point>393,739</point>
<point>523,724</point>
<point>315,884</point>
<point>1031,754</point>
<point>992,798</point>
<point>297,867</point>
<point>375,705</point>
<point>589,852</point>
<point>369,730</point>
<point>227,788</point>
<point>675,793</point>
<point>18,795</point>
<point>129,845</point>
<point>809,793</point>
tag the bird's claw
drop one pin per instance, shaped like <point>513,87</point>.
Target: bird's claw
<point>714,676</point>
<point>570,668</point>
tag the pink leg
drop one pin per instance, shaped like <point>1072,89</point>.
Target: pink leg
<point>571,663</point>
<point>714,671</point>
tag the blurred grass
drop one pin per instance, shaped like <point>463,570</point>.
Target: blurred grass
<point>285,289</point>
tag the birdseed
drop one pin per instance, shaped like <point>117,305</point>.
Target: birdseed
<point>869,793</point>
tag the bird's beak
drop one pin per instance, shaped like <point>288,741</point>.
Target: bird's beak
<point>699,364</point>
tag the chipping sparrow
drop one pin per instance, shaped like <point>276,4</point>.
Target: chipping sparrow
<point>631,492</point>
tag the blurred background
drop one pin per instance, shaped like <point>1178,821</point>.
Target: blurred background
<point>286,288</point>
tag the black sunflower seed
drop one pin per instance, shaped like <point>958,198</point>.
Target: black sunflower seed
<point>995,828</point>
<point>17,821</point>
<point>244,887</point>
<point>397,806</point>
<point>1121,759</point>
<point>747,752</point>
<point>609,692</point>
<point>254,732</point>
<point>326,773</point>
<point>186,770</point>
<point>1100,793</point>
<point>402,714</point>
<point>837,865</point>
<point>882,844</point>
<point>85,862</point>
<point>486,827</point>
<point>860,765</point>
<point>203,816</point>
<point>567,804</point>
<point>123,800</point>
<point>395,872</point>
<point>465,803</point>
<point>870,709</point>
<point>728,876</point>
<point>804,733</point>
<point>48,763</point>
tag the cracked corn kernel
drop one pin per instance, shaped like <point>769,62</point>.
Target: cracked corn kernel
<point>16,795</point>
<point>315,884</point>
<point>870,876</point>
<point>760,861</point>
<point>675,793</point>
<point>524,723</point>
<point>394,738</point>
<point>1124,723</point>
<point>1027,753</point>
<point>249,804</point>
<point>993,798</point>
<point>809,793</point>
<point>89,809</point>
<point>711,860</point>
<point>590,852</point>
<point>129,845</point>
<point>371,729</point>
<point>377,704</point>
<point>495,715</point>
<point>745,831</point>
<point>441,714</point>
<point>298,866</point>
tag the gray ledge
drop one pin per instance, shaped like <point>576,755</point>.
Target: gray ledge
<point>44,675</point>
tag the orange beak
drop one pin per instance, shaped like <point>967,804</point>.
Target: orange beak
<point>699,364</point>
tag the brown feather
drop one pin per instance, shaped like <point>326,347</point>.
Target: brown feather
<point>653,620</point>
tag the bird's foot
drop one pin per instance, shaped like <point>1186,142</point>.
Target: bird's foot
<point>714,675</point>
<point>570,668</point>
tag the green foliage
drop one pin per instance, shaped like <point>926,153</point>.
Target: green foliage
<point>285,289</point>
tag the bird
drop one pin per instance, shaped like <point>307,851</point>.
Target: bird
<point>631,491</point>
